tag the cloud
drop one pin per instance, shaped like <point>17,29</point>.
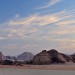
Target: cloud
<point>67,22</point>
<point>45,20</point>
<point>17,15</point>
<point>63,43</point>
<point>71,46</point>
<point>62,32</point>
<point>2,38</point>
<point>49,4</point>
<point>23,21</point>
<point>63,40</point>
<point>29,46</point>
<point>37,25</point>
<point>60,18</point>
<point>12,46</point>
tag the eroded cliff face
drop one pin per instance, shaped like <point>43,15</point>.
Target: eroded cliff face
<point>73,57</point>
<point>50,57</point>
<point>42,58</point>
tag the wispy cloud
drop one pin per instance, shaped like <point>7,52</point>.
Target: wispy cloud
<point>49,4</point>
<point>2,38</point>
<point>62,31</point>
<point>23,21</point>
<point>29,46</point>
<point>36,25</point>
<point>61,40</point>
<point>60,18</point>
<point>12,46</point>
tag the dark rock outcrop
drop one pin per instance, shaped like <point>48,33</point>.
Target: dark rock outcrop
<point>54,56</point>
<point>50,57</point>
<point>7,62</point>
<point>2,57</point>
<point>11,58</point>
<point>73,57</point>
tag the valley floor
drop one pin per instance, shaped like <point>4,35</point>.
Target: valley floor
<point>43,67</point>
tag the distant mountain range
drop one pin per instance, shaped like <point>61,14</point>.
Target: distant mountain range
<point>26,56</point>
<point>43,58</point>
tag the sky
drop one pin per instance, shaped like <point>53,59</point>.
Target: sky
<point>36,25</point>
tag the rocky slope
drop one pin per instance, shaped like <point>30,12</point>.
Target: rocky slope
<point>50,57</point>
<point>42,58</point>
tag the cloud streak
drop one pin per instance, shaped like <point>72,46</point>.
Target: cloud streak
<point>49,4</point>
<point>38,25</point>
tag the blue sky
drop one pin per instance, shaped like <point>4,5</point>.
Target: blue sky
<point>34,25</point>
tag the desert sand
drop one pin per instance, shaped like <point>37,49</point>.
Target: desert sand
<point>43,67</point>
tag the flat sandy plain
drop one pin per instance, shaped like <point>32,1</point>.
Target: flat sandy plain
<point>43,67</point>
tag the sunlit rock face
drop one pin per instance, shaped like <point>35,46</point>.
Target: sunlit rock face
<point>42,58</point>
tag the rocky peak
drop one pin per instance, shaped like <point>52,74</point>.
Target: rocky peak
<point>26,56</point>
<point>53,51</point>
<point>50,57</point>
<point>44,51</point>
<point>42,58</point>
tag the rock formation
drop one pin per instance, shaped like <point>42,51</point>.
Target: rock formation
<point>50,57</point>
<point>11,58</point>
<point>42,58</point>
<point>73,57</point>
<point>26,56</point>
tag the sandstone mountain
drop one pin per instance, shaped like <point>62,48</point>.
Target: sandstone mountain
<point>42,58</point>
<point>50,57</point>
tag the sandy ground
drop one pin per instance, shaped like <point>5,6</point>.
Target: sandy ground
<point>43,67</point>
